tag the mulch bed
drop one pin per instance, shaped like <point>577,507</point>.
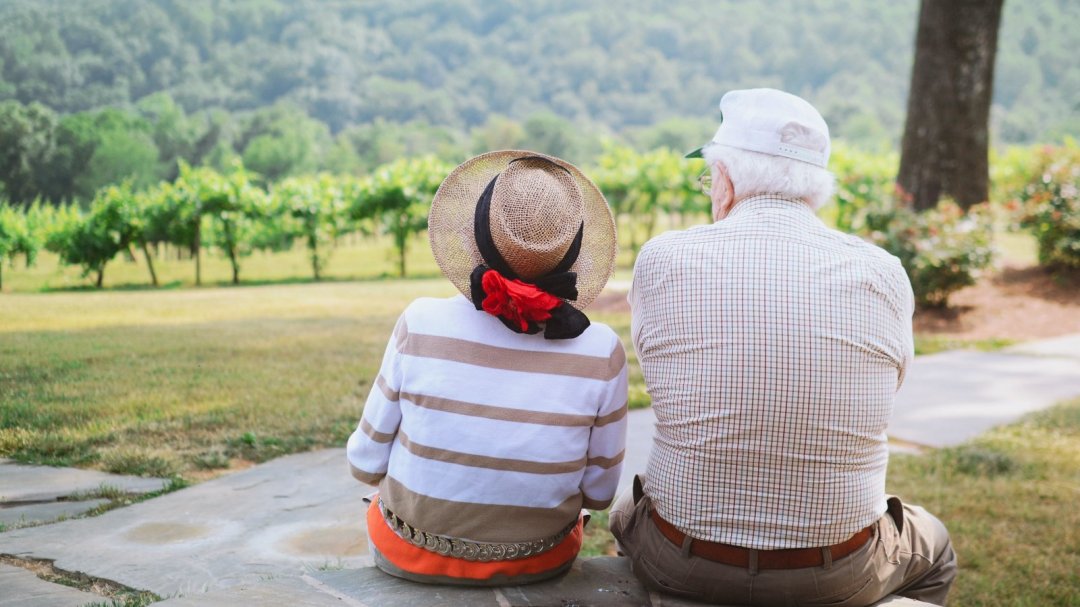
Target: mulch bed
<point>1016,303</point>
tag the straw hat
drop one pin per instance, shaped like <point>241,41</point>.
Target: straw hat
<point>538,205</point>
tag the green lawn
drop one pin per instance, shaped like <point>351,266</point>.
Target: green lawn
<point>171,382</point>
<point>1009,499</point>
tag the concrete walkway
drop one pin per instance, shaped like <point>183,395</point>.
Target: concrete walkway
<point>286,517</point>
<point>290,532</point>
<point>32,495</point>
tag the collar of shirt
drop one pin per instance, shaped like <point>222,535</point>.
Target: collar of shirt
<point>772,204</point>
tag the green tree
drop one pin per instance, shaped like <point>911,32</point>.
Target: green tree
<point>121,154</point>
<point>548,133</point>
<point>281,141</point>
<point>92,240</point>
<point>176,135</point>
<point>92,150</point>
<point>399,194</point>
<point>642,187</point>
<point>237,210</point>
<point>26,142</point>
<point>498,133</point>
<point>17,237</point>
<point>316,205</point>
<point>179,207</point>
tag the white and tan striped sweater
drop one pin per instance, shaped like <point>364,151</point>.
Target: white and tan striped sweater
<point>476,432</point>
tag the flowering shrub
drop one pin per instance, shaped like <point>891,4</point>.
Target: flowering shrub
<point>1049,206</point>
<point>863,180</point>
<point>943,249</point>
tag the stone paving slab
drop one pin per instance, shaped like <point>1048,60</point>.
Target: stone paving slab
<point>46,512</point>
<point>599,582</point>
<point>282,518</point>
<point>596,582</point>
<point>21,588</point>
<point>23,483</point>
<point>952,397</point>
<point>300,591</point>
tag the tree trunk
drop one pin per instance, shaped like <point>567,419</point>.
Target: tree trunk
<point>946,140</point>
<point>235,266</point>
<point>149,263</point>
<point>313,244</point>
<point>100,276</point>
<point>402,240</point>
<point>198,256</point>
<point>230,248</point>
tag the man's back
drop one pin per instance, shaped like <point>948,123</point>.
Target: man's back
<point>772,348</point>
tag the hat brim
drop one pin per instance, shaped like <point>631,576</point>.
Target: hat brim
<point>451,224</point>
<point>698,153</point>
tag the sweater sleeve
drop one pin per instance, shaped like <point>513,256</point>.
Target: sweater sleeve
<point>368,449</point>
<point>607,440</point>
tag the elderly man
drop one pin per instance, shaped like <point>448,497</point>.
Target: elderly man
<point>772,348</point>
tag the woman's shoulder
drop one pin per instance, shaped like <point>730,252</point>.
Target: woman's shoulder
<point>458,317</point>
<point>601,339</point>
<point>437,308</point>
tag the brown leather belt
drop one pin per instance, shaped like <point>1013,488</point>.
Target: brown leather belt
<point>788,558</point>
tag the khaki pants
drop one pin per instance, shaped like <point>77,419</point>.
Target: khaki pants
<point>909,555</point>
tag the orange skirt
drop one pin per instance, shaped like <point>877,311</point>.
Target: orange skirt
<point>419,561</point>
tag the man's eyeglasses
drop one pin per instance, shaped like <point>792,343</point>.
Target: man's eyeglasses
<point>705,181</point>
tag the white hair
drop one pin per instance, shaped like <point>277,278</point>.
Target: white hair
<point>754,173</point>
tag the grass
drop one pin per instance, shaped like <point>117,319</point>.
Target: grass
<point>932,344</point>
<point>165,383</point>
<point>1009,501</point>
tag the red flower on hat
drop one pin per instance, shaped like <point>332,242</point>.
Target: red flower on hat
<point>516,301</point>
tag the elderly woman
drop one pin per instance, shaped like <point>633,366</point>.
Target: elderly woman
<point>500,413</point>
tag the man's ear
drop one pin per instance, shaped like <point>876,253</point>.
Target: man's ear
<point>723,192</point>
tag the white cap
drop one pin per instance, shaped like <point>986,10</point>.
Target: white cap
<point>772,122</point>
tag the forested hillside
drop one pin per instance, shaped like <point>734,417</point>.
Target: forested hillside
<point>457,63</point>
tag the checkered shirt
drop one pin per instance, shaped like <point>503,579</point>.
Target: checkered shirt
<point>772,348</point>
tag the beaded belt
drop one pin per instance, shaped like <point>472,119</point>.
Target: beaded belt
<point>467,550</point>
